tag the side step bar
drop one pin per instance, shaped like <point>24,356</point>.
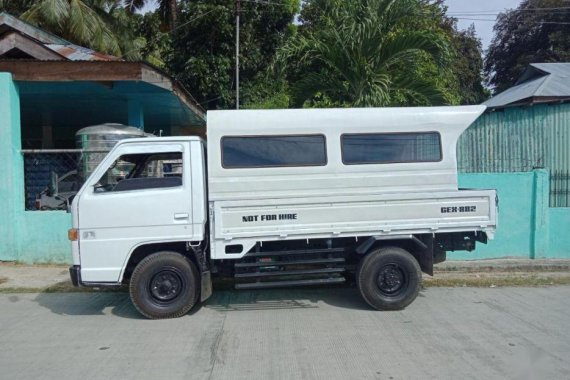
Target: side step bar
<point>289,273</point>
<point>295,252</point>
<point>296,262</point>
<point>300,267</point>
<point>284,284</point>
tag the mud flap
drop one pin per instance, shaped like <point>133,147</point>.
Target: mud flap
<point>206,289</point>
<point>424,254</point>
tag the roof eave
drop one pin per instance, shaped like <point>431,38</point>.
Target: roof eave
<point>99,71</point>
<point>531,101</point>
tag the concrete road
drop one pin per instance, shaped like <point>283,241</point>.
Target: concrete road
<point>514,333</point>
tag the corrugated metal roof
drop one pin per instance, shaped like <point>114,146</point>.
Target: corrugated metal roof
<point>7,22</point>
<point>80,53</point>
<point>66,49</point>
<point>541,82</point>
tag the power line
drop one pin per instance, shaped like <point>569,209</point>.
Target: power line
<point>497,11</point>
<point>264,2</point>
<point>494,20</point>
<point>174,29</point>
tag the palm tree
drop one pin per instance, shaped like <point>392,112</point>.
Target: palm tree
<point>15,7</point>
<point>99,24</point>
<point>364,54</point>
<point>167,9</point>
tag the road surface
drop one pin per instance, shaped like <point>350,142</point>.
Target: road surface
<point>459,333</point>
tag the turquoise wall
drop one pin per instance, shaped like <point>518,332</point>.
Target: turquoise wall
<point>515,191</point>
<point>26,236</point>
<point>528,227</point>
<point>44,237</point>
<point>559,237</point>
<point>11,167</point>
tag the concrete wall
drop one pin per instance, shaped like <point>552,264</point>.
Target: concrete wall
<point>559,233</point>
<point>527,226</point>
<point>27,236</point>
<point>44,237</point>
<point>515,191</point>
<point>11,167</point>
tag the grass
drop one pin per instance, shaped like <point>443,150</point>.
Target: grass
<point>500,281</point>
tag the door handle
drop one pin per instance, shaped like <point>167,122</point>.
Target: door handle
<point>181,216</point>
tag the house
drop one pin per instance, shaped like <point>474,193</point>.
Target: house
<point>521,145</point>
<point>526,127</point>
<point>50,89</point>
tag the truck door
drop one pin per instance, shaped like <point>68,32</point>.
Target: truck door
<point>141,193</point>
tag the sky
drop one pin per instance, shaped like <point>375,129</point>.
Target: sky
<point>482,13</point>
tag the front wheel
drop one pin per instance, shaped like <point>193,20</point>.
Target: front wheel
<point>389,278</point>
<point>164,285</point>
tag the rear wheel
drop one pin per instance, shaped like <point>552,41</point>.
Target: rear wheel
<point>164,285</point>
<point>389,278</point>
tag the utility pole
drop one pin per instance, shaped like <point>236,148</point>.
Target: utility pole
<point>237,53</point>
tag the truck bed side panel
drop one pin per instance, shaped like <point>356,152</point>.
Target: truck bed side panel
<point>244,222</point>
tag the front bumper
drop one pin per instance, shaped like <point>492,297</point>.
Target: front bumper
<point>75,273</point>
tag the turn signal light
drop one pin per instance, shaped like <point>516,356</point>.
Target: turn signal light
<point>72,234</point>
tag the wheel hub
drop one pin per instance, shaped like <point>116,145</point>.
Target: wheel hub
<point>165,285</point>
<point>390,279</point>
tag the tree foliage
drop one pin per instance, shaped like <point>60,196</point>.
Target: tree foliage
<point>203,48</point>
<point>366,53</point>
<point>526,35</point>
<point>100,24</point>
<point>167,10</point>
<point>16,7</point>
<point>467,66</point>
<point>339,53</point>
<point>156,46</point>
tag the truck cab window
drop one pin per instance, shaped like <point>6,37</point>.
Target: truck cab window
<point>142,171</point>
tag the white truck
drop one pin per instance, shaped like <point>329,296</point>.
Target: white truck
<point>281,198</point>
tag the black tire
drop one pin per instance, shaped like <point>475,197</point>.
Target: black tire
<point>389,278</point>
<point>164,285</point>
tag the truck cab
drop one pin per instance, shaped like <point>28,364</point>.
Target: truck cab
<point>146,192</point>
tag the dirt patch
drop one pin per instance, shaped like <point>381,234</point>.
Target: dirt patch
<point>60,287</point>
<point>3,280</point>
<point>32,277</point>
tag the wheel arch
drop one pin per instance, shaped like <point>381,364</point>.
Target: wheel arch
<point>147,249</point>
<point>419,246</point>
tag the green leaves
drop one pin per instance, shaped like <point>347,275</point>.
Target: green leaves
<point>203,51</point>
<point>365,53</point>
<point>342,53</point>
<point>98,24</point>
